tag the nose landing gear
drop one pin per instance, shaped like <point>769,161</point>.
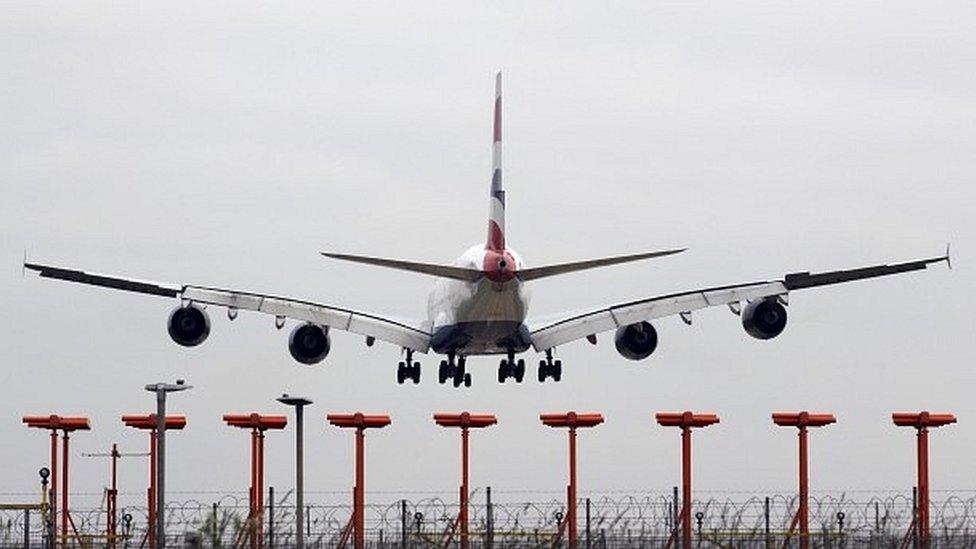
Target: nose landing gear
<point>510,368</point>
<point>550,368</point>
<point>408,369</point>
<point>454,370</point>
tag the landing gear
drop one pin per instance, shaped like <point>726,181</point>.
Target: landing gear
<point>510,368</point>
<point>443,372</point>
<point>550,368</point>
<point>454,370</point>
<point>408,369</point>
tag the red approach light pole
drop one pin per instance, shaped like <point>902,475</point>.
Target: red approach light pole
<point>65,424</point>
<point>258,424</point>
<point>465,421</point>
<point>360,422</point>
<point>572,421</point>
<point>686,421</point>
<point>922,421</point>
<point>802,420</point>
<point>148,423</point>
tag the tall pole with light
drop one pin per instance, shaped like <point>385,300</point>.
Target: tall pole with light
<point>802,421</point>
<point>299,404</point>
<point>161,389</point>
<point>360,422</point>
<point>465,421</point>
<point>572,421</point>
<point>922,422</point>
<point>686,421</point>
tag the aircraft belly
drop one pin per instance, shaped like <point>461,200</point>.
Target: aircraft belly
<point>481,338</point>
<point>483,319</point>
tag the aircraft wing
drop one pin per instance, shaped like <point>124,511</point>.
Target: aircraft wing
<point>365,324</point>
<point>550,335</point>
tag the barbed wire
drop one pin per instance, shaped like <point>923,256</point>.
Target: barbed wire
<point>632,517</point>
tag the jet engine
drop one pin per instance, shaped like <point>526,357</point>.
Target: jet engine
<point>189,326</point>
<point>636,341</point>
<point>764,319</point>
<point>309,343</point>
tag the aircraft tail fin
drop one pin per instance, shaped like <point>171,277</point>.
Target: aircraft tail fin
<point>496,213</point>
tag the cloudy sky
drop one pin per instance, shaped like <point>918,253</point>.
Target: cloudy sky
<point>227,144</point>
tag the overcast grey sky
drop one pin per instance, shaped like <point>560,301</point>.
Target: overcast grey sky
<point>228,143</point>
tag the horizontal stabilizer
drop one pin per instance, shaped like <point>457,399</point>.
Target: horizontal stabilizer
<point>443,271</point>
<point>563,268</point>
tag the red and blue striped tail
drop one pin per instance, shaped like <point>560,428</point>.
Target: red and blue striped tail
<point>496,214</point>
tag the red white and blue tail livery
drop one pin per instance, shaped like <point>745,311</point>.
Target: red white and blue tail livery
<point>479,304</point>
<point>496,214</point>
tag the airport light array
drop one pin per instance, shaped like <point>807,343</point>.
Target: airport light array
<point>355,529</point>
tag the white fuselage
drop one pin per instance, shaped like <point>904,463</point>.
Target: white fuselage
<point>480,317</point>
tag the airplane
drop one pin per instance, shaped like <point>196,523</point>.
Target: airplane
<point>479,304</point>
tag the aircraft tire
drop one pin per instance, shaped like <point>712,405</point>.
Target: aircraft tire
<point>503,371</point>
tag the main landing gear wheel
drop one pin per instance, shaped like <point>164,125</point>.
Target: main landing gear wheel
<point>408,369</point>
<point>464,379</point>
<point>510,368</point>
<point>461,376</point>
<point>549,368</point>
<point>455,371</point>
<point>443,372</point>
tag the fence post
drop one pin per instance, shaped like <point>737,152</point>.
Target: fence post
<point>588,546</point>
<point>915,516</point>
<point>766,520</point>
<point>308,521</point>
<point>215,534</point>
<point>669,521</point>
<point>677,535</point>
<point>26,528</point>
<point>271,532</point>
<point>403,524</point>
<point>877,518</point>
<point>489,520</point>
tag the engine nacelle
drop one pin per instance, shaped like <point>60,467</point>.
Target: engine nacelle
<point>189,326</point>
<point>636,341</point>
<point>309,343</point>
<point>764,319</point>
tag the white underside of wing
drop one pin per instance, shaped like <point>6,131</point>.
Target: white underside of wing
<point>580,326</point>
<point>390,331</point>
